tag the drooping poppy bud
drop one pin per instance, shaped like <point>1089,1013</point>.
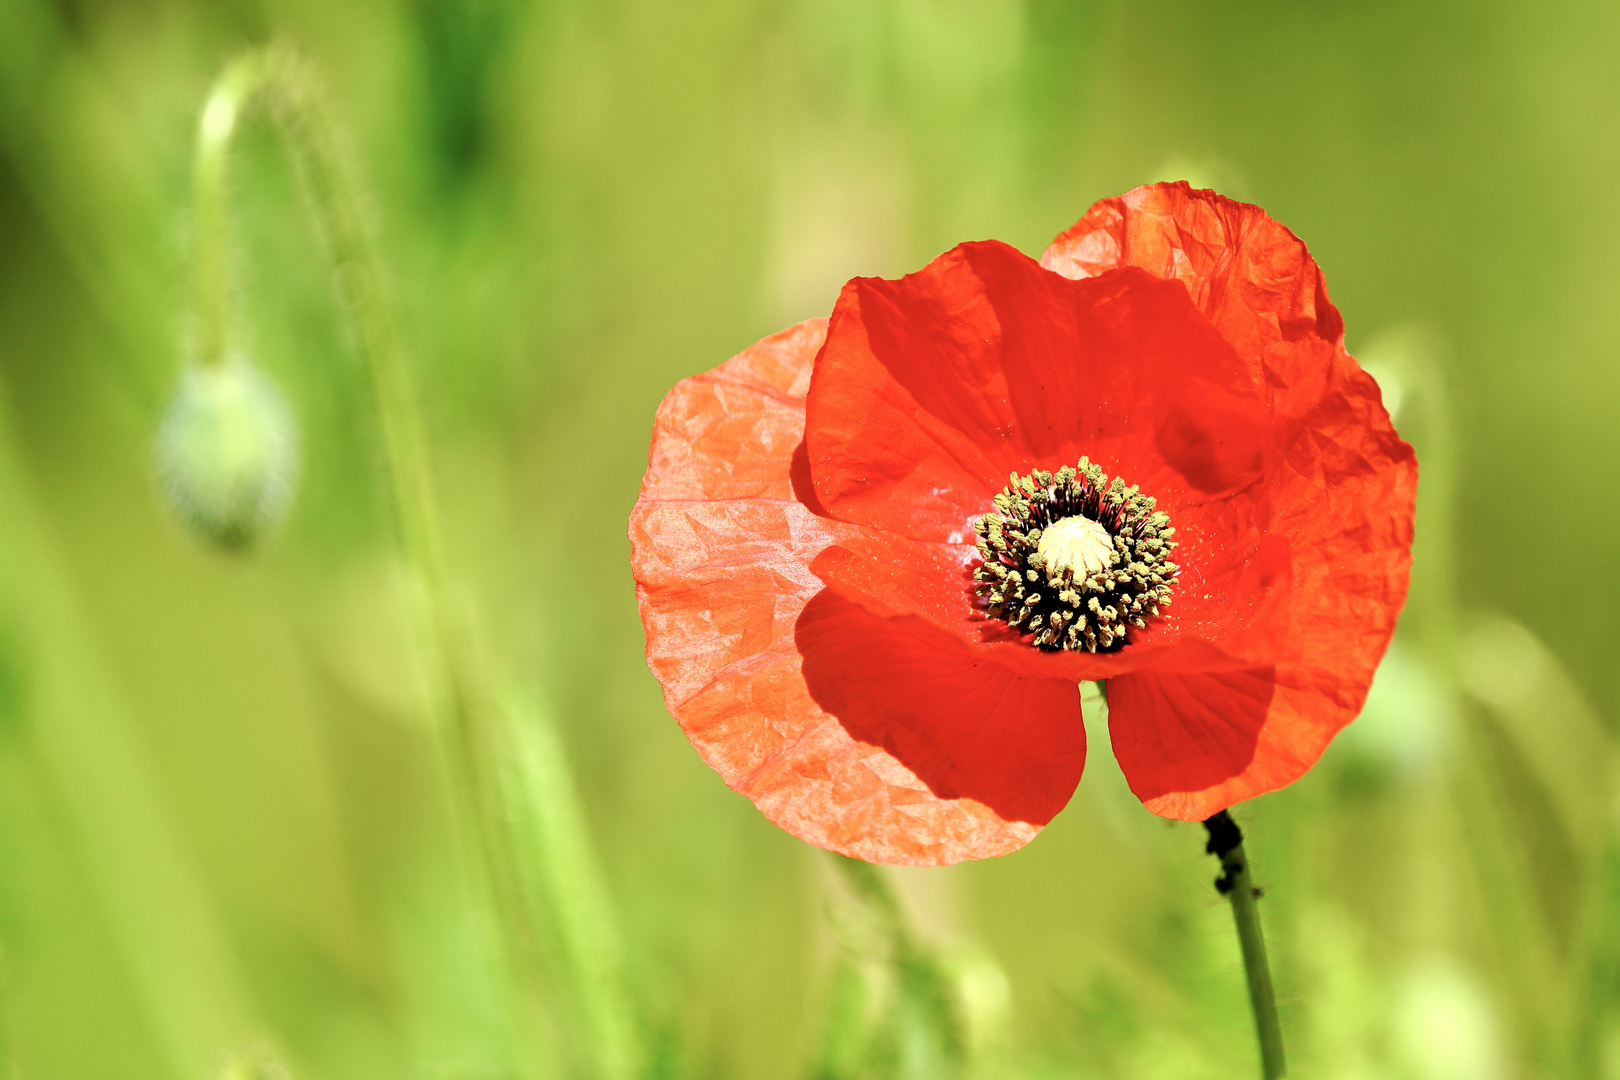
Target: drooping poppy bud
<point>227,453</point>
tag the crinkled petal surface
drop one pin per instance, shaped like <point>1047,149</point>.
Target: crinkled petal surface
<point>875,734</point>
<point>1341,492</point>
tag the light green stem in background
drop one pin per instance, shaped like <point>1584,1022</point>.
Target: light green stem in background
<point>280,77</point>
<point>232,93</point>
<point>868,883</point>
<point>924,1020</point>
<point>1239,888</point>
<point>563,884</point>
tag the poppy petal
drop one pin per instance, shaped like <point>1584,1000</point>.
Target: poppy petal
<point>1342,492</point>
<point>848,730</point>
<point>1185,742</point>
<point>1250,276</point>
<point>972,731</point>
<point>1193,745</point>
<point>934,387</point>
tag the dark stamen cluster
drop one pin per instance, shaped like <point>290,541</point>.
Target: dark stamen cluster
<point>1062,611</point>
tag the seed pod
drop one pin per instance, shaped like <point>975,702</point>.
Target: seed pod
<point>227,454</point>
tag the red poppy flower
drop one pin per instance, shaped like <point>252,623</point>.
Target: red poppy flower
<point>864,627</point>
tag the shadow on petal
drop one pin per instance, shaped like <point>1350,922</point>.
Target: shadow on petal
<point>1176,736</point>
<point>967,727</point>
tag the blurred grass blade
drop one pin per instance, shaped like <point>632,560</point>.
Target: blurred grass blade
<point>563,889</point>
<point>93,771</point>
<point>841,1044</point>
<point>1541,749</point>
<point>1600,982</point>
<point>1531,785</point>
<point>915,1031</point>
<point>258,1064</point>
<point>1552,730</point>
<point>90,180</point>
<point>928,1035</point>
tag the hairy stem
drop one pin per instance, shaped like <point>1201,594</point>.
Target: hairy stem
<point>1226,842</point>
<point>283,80</point>
<point>232,93</point>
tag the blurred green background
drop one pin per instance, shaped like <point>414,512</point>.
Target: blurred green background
<point>224,822</point>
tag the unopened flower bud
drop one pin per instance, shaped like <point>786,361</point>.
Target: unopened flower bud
<point>227,453</point>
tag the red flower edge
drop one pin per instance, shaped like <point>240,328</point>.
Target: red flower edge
<point>801,540</point>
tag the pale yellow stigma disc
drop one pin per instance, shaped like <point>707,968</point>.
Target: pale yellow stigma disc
<point>1078,544</point>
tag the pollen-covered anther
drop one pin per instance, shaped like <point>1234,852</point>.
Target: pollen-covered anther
<point>1073,559</point>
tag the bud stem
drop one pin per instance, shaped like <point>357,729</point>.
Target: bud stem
<point>1226,842</point>
<point>283,79</point>
<point>232,92</point>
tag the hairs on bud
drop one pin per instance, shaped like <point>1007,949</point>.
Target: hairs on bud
<point>227,453</point>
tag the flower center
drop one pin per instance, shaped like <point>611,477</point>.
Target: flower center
<point>1078,545</point>
<point>1074,560</point>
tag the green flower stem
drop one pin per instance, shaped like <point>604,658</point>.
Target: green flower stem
<point>283,80</point>
<point>1226,841</point>
<point>233,91</point>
